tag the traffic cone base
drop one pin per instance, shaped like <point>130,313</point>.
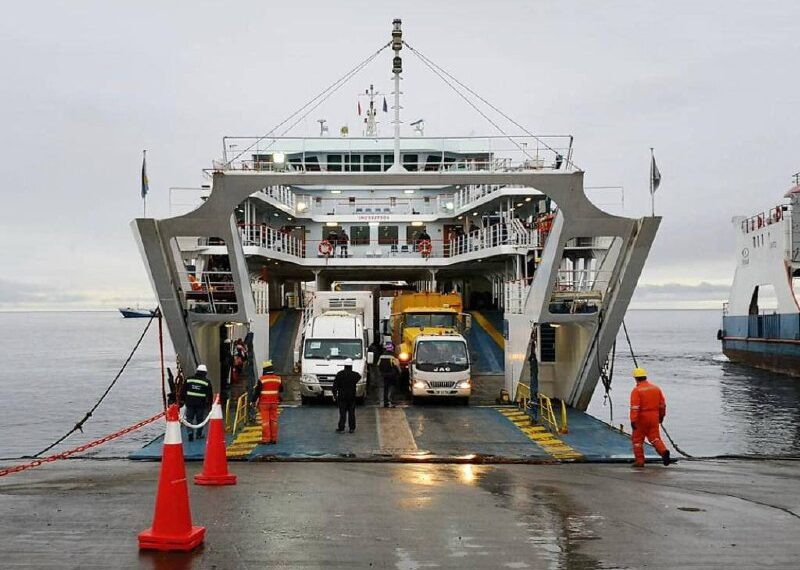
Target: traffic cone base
<point>215,462</point>
<point>150,541</point>
<point>172,527</point>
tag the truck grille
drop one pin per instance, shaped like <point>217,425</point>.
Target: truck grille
<point>441,384</point>
<point>325,379</point>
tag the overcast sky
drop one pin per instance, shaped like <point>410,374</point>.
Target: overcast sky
<point>713,86</point>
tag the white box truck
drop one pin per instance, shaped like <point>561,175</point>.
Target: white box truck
<point>340,328</point>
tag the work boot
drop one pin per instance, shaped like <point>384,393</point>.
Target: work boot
<point>352,430</point>
<point>638,465</point>
<point>339,430</point>
<point>665,458</point>
<point>386,404</point>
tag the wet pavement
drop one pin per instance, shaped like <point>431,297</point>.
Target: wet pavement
<point>711,514</point>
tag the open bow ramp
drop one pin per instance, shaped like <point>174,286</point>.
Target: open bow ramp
<point>490,434</point>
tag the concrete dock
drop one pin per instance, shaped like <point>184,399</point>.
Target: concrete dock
<point>710,514</point>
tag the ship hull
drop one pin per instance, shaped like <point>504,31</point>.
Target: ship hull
<point>781,356</point>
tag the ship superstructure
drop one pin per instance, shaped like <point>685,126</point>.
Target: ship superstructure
<point>503,220</point>
<point>761,320</point>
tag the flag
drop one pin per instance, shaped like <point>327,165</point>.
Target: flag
<point>145,183</point>
<point>385,108</point>
<point>359,108</point>
<point>655,175</point>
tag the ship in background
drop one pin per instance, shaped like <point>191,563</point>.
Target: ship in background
<point>761,320</point>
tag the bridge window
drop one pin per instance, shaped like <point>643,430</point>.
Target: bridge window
<point>387,235</point>
<point>352,163</point>
<point>334,163</point>
<point>359,235</point>
<point>372,163</point>
<point>411,161</point>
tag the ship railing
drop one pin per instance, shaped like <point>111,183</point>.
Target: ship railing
<point>261,235</point>
<point>579,291</point>
<point>280,193</point>
<point>764,219</point>
<point>209,292</point>
<point>512,233</point>
<point>361,154</point>
<point>515,293</point>
<point>260,296</point>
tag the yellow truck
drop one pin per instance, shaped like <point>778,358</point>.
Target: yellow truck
<point>427,331</point>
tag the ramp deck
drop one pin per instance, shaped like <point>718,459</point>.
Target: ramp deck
<point>421,433</point>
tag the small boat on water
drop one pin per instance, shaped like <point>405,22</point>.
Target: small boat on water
<point>137,313</point>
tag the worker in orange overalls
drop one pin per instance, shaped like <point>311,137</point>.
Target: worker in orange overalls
<point>648,409</point>
<point>268,398</point>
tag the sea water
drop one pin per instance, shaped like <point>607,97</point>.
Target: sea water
<point>54,366</point>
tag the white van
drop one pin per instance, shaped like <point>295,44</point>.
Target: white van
<point>328,340</point>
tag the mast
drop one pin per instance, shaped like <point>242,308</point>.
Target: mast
<point>371,124</point>
<point>397,69</point>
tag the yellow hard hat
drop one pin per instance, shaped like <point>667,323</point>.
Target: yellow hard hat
<point>266,364</point>
<point>639,373</point>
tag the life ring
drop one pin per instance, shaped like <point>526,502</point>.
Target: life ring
<point>425,247</point>
<point>325,247</point>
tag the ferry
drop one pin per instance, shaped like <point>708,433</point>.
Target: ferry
<point>501,219</point>
<point>761,319</point>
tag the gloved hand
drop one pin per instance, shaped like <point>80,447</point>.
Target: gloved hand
<point>661,419</point>
<point>633,425</point>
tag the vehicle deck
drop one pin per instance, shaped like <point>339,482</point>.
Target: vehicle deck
<point>491,434</point>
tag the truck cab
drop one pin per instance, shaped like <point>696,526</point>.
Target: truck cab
<point>329,340</point>
<point>440,367</point>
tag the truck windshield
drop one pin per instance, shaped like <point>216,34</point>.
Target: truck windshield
<point>441,352</point>
<point>333,349</point>
<point>422,320</point>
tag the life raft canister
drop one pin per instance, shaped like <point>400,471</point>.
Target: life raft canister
<point>325,247</point>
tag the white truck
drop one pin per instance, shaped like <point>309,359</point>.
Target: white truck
<point>340,328</point>
<point>440,367</point>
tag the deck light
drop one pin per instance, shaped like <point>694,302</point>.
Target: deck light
<point>276,214</point>
<point>450,206</point>
<point>416,224</point>
<point>301,206</point>
<point>528,199</point>
<point>474,213</point>
<point>519,205</point>
<point>331,224</point>
<point>278,157</point>
<point>408,191</point>
<point>336,191</point>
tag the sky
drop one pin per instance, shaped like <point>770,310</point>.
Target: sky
<point>713,86</point>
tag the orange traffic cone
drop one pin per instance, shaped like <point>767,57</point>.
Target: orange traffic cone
<point>215,462</point>
<point>172,521</point>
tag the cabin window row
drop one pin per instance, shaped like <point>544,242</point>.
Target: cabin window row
<point>361,234</point>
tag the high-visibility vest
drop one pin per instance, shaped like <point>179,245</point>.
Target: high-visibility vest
<point>270,386</point>
<point>194,387</point>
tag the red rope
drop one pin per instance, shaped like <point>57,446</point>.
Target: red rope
<point>80,448</point>
<point>161,350</point>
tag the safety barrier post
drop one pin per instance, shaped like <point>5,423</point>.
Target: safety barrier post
<point>564,428</point>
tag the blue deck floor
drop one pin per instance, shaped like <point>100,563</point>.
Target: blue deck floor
<point>437,432</point>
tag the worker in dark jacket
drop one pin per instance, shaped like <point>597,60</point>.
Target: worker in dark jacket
<point>196,395</point>
<point>390,374</point>
<point>344,392</point>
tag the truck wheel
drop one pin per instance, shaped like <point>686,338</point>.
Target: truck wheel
<point>465,401</point>
<point>304,400</point>
<point>414,400</point>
